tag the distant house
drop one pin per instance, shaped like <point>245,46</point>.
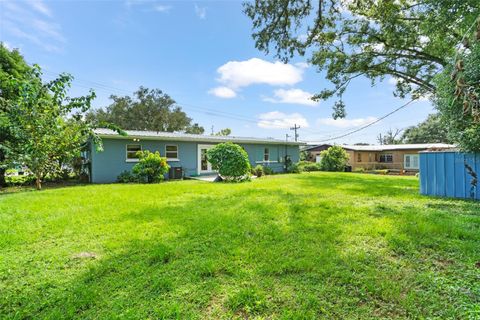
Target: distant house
<point>185,153</point>
<point>395,156</point>
<point>313,152</point>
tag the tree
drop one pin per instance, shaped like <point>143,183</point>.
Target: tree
<point>48,125</point>
<point>151,167</point>
<point>149,109</point>
<point>410,41</point>
<point>223,132</point>
<point>195,129</point>
<point>12,64</point>
<point>230,160</point>
<point>334,158</point>
<point>457,98</point>
<point>390,137</point>
<point>432,130</point>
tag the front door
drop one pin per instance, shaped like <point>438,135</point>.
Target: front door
<point>203,165</point>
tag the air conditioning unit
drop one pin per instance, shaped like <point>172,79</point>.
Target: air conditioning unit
<point>175,173</point>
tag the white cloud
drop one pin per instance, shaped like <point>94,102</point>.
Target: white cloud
<point>32,20</point>
<point>41,7</point>
<point>237,74</point>
<point>201,12</point>
<point>345,123</point>
<point>223,92</point>
<point>295,96</point>
<point>280,120</point>
<point>162,8</point>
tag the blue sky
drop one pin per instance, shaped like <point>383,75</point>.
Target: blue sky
<point>200,53</point>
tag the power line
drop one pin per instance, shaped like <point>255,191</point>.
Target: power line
<point>366,126</point>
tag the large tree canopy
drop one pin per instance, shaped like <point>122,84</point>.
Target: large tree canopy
<point>409,40</point>
<point>432,130</point>
<point>12,64</point>
<point>149,109</point>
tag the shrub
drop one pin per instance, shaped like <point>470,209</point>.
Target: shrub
<point>230,160</point>
<point>20,180</point>
<point>126,177</point>
<point>151,167</point>
<point>268,171</point>
<point>308,166</point>
<point>359,170</point>
<point>258,171</point>
<point>334,158</point>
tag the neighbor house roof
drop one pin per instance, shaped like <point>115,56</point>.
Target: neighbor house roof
<point>154,135</point>
<point>394,147</point>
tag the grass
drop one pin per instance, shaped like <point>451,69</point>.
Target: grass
<point>305,246</point>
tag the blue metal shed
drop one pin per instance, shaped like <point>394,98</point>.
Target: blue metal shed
<point>449,174</point>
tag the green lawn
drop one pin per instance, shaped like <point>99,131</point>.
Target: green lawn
<point>305,246</point>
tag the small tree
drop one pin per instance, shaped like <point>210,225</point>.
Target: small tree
<point>334,158</point>
<point>48,125</point>
<point>151,167</point>
<point>230,160</point>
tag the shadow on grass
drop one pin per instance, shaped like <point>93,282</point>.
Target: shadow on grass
<point>272,253</point>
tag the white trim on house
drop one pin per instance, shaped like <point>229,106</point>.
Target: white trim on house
<point>172,159</point>
<point>411,162</point>
<point>199,159</point>
<point>261,161</point>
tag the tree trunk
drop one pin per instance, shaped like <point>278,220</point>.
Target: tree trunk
<point>38,183</point>
<point>3,183</point>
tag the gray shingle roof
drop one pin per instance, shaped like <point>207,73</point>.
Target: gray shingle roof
<point>153,135</point>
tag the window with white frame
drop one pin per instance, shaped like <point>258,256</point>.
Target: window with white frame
<point>386,158</point>
<point>132,152</point>
<point>171,152</point>
<point>266,154</point>
<point>411,161</point>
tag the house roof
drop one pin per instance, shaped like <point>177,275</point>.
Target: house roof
<point>395,147</point>
<point>154,135</point>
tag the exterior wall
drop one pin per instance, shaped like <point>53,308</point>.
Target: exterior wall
<point>371,159</point>
<point>108,164</point>
<point>444,174</point>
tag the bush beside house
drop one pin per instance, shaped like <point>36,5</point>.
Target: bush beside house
<point>151,168</point>
<point>334,158</point>
<point>230,160</point>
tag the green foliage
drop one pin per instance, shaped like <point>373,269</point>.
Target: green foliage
<point>149,109</point>
<point>432,130</point>
<point>151,167</point>
<point>126,177</point>
<point>258,171</point>
<point>22,180</point>
<point>48,126</point>
<point>230,160</point>
<point>457,99</point>
<point>12,64</point>
<point>410,41</point>
<point>308,166</point>
<point>195,250</point>
<point>223,132</point>
<point>267,170</point>
<point>334,158</point>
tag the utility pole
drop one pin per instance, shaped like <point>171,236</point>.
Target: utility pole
<point>286,137</point>
<point>295,128</point>
<point>212,130</point>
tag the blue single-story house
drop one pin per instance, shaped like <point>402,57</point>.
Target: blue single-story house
<point>185,151</point>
